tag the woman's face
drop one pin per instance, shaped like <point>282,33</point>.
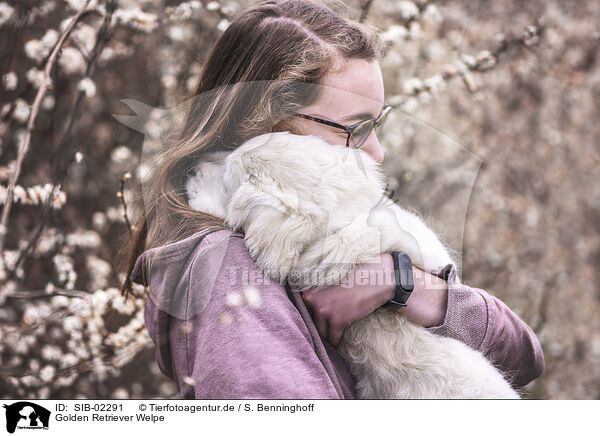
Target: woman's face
<point>349,95</point>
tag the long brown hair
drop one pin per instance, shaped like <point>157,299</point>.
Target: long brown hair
<point>276,44</point>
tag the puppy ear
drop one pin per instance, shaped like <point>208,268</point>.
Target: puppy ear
<point>275,230</point>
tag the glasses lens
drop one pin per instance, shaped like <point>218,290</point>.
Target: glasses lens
<point>384,116</point>
<point>360,134</point>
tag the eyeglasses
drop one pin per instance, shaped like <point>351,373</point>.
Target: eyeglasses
<point>357,133</point>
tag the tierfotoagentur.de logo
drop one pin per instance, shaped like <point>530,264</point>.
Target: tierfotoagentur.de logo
<point>26,415</point>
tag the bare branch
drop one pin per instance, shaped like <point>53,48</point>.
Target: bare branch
<point>102,37</point>
<point>484,61</point>
<point>24,146</point>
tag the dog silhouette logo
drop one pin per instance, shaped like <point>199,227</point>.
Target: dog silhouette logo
<point>26,415</point>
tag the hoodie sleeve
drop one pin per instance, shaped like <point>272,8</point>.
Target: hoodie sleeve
<point>486,324</point>
<point>248,340</point>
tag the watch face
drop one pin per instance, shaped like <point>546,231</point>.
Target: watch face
<point>406,274</point>
<point>406,280</point>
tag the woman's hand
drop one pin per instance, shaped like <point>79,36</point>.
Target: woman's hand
<point>335,307</point>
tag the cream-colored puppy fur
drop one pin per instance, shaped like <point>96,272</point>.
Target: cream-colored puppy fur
<point>310,212</point>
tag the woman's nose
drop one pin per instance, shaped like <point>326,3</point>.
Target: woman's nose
<point>373,147</point>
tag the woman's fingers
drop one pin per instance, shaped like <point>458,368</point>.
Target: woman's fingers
<point>335,335</point>
<point>322,326</point>
<point>319,305</point>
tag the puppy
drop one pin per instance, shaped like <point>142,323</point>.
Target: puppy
<point>310,212</point>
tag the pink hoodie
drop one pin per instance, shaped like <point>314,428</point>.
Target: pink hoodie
<point>215,345</point>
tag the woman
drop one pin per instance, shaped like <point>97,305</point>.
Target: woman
<point>219,338</point>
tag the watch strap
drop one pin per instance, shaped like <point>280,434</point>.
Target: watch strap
<point>404,280</point>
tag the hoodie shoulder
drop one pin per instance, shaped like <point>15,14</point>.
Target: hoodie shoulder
<point>167,270</point>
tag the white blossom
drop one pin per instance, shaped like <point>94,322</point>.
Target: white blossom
<point>434,83</point>
<point>95,339</point>
<point>51,352</point>
<point>60,198</point>
<point>76,5</point>
<point>65,270</point>
<point>6,12</point>
<point>21,111</point>
<point>87,86</point>
<point>99,220</point>
<point>116,50</point>
<point>212,6</point>
<point>115,214</point>
<point>412,86</point>
<point>99,275</point>
<point>84,238</point>
<point>68,360</point>
<point>176,33</point>
<point>50,39</point>
<point>414,30</point>
<point>144,172</point>
<point>168,81</point>
<point>34,195</point>
<point>48,102</point>
<point>432,14</point>
<point>230,8</point>
<point>36,77</point>
<point>223,24</point>
<point>485,60</point>
<point>183,10</point>
<point>137,19</point>
<point>72,61</point>
<point>122,305</point>
<point>395,33</point>
<point>85,36</point>
<point>120,394</point>
<point>10,81</point>
<point>408,10</point>
<point>469,60</point>
<point>9,259</point>
<point>121,154</point>
<point>31,315</point>
<point>30,381</point>
<point>34,49</point>
<point>59,301</point>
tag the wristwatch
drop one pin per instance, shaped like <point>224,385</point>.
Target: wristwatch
<point>404,280</point>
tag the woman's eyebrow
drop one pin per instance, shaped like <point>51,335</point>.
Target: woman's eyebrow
<point>361,116</point>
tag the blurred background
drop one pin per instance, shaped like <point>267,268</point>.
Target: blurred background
<point>493,139</point>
